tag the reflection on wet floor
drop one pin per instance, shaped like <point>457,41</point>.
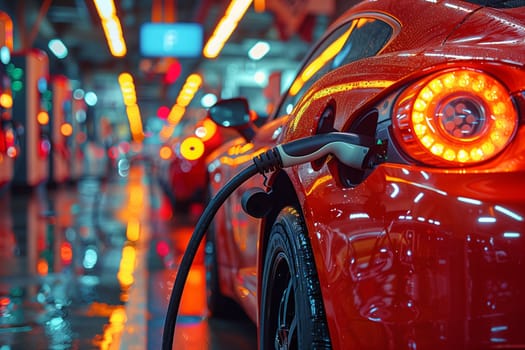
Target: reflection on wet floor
<point>91,266</point>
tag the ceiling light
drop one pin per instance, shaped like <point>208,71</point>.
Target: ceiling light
<point>225,28</point>
<point>5,55</point>
<point>112,28</point>
<point>208,100</point>
<point>259,50</point>
<point>105,9</point>
<point>78,94</point>
<point>58,48</point>
<point>127,87</point>
<point>260,77</point>
<point>91,98</point>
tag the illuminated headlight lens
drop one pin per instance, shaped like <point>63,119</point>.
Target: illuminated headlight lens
<point>458,118</point>
<point>192,148</point>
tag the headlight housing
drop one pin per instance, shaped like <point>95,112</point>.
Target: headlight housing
<point>455,118</point>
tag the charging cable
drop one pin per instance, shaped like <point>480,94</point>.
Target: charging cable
<point>348,148</point>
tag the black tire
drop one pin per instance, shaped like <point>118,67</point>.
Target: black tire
<point>292,312</point>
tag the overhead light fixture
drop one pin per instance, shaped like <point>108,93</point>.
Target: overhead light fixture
<point>225,28</point>
<point>78,94</point>
<point>189,89</point>
<point>186,94</point>
<point>58,48</point>
<point>91,98</point>
<point>106,9</point>
<point>112,28</point>
<point>208,100</point>
<point>259,50</point>
<point>127,87</point>
<point>259,5</point>
<point>5,55</point>
<point>260,77</point>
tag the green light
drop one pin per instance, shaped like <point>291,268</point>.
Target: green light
<point>17,86</point>
<point>17,73</point>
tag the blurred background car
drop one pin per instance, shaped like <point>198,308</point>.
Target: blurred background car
<point>181,168</point>
<point>417,245</point>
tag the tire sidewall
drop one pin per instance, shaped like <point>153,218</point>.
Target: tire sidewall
<point>287,243</point>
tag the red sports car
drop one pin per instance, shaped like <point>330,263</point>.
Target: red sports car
<point>421,247</point>
<point>182,167</point>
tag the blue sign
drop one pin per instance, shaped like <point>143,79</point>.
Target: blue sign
<point>171,39</point>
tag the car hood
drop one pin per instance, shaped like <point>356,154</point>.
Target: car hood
<point>495,33</point>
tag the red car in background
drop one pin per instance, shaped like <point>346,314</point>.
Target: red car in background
<point>421,247</point>
<point>182,173</point>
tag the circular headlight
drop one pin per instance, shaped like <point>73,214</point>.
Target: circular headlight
<point>192,148</point>
<point>457,117</point>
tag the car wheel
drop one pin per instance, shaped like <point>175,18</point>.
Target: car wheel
<point>292,313</point>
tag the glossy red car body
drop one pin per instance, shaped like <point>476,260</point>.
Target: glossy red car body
<point>183,171</point>
<point>419,251</point>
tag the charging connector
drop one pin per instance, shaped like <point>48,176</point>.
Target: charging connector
<point>350,149</point>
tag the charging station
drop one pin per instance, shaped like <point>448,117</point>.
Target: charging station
<point>31,105</point>
<point>78,138</point>
<point>8,150</point>
<point>62,130</point>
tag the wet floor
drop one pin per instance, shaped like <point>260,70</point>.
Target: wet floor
<point>90,265</point>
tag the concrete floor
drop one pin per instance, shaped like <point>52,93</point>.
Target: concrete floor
<point>90,265</point>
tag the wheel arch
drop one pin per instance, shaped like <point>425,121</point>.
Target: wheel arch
<point>285,195</point>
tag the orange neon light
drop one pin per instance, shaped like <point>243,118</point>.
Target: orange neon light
<point>42,118</point>
<point>127,87</point>
<point>6,100</point>
<point>176,114</point>
<point>165,152</point>
<point>42,267</point>
<point>112,28</point>
<point>6,33</point>
<point>133,230</point>
<point>225,28</point>
<point>66,129</point>
<point>127,266</point>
